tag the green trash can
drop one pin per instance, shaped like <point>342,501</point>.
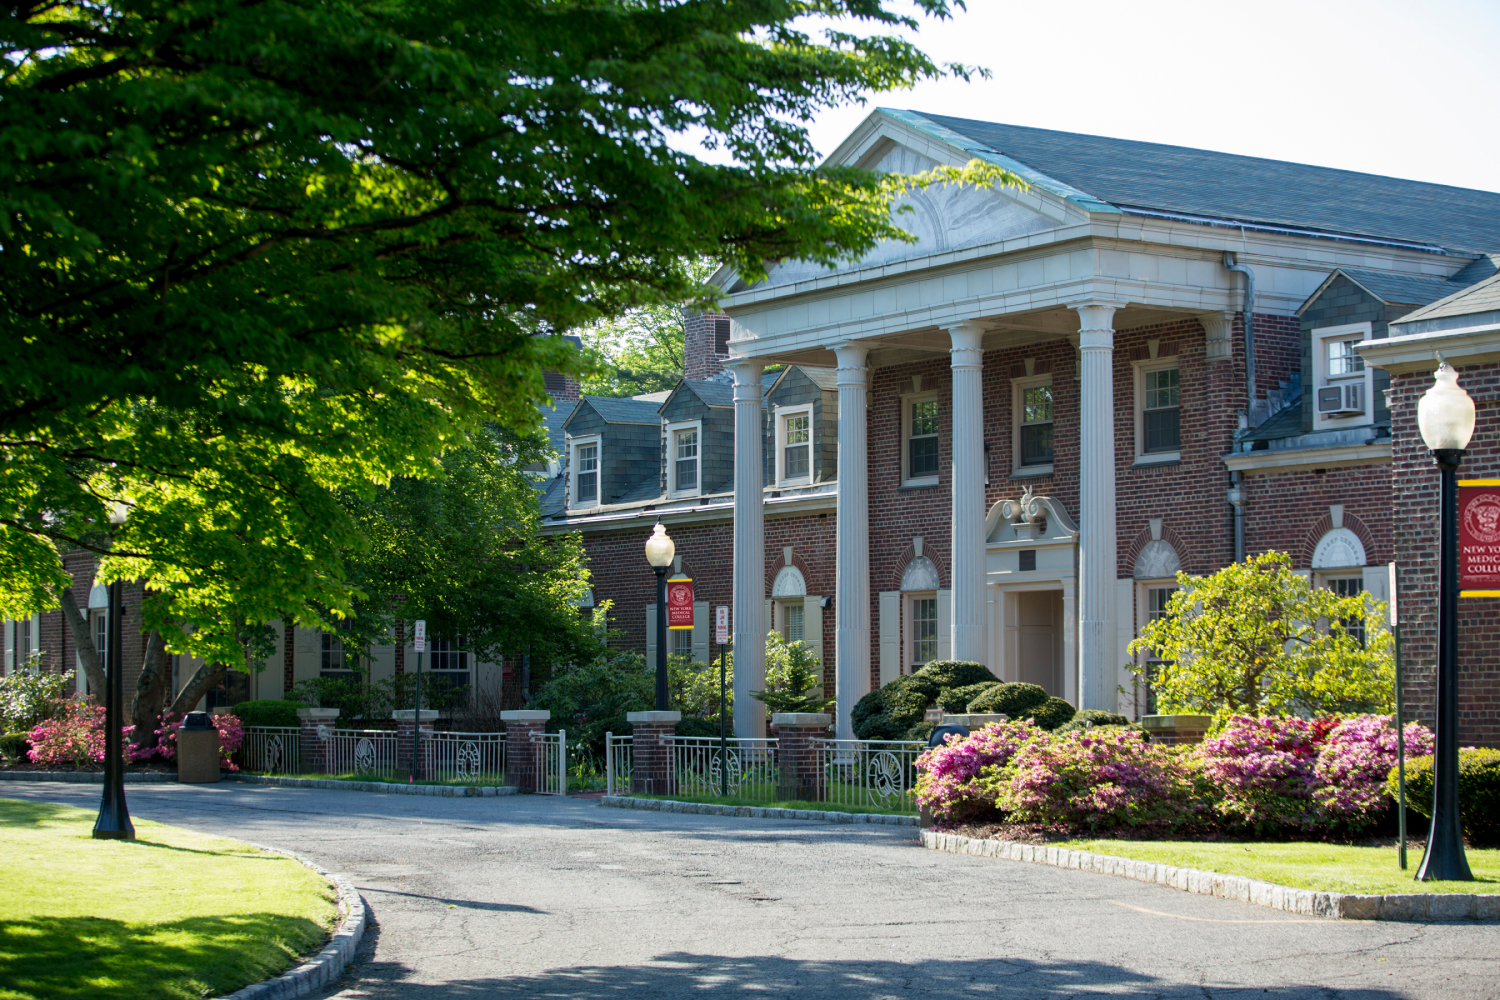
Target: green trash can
<point>197,749</point>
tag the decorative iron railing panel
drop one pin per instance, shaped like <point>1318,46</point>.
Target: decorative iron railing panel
<point>744,770</point>
<point>876,774</point>
<point>471,758</point>
<point>271,750</point>
<point>362,752</point>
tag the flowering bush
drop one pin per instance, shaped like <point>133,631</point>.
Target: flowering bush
<point>1353,762</point>
<point>75,735</point>
<point>1096,780</point>
<point>948,785</point>
<point>1263,770</point>
<point>231,735</point>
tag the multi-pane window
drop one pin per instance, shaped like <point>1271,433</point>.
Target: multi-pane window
<point>1161,419</point>
<point>450,661</point>
<point>792,615</point>
<point>923,630</point>
<point>23,643</point>
<point>685,459</point>
<point>335,659</point>
<point>1343,359</point>
<point>1350,586</point>
<point>922,440</point>
<point>1157,600</point>
<point>682,642</point>
<point>586,474</point>
<point>796,459</point>
<point>101,638</point>
<point>1036,425</point>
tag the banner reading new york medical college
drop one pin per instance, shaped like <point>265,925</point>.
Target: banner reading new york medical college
<point>680,603</point>
<point>1479,538</point>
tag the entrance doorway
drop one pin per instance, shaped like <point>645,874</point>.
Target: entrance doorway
<point>1039,621</point>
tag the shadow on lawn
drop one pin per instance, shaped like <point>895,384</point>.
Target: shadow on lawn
<point>685,975</point>
<point>92,957</point>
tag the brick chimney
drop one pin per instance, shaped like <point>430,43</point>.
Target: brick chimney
<point>705,343</point>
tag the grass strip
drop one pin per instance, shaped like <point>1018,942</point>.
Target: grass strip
<point>173,914</point>
<point>1301,864</point>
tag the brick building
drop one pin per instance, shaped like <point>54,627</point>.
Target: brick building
<point>1045,407</point>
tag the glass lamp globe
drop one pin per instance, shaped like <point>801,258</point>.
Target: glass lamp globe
<point>659,548</point>
<point>118,513</point>
<point>1445,412</point>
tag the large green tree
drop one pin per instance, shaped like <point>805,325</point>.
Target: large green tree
<point>255,254</point>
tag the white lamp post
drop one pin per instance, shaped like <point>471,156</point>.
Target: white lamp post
<point>659,552</point>
<point>114,817</point>
<point>1445,415</point>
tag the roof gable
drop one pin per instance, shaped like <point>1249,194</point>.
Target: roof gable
<point>617,411</point>
<point>1482,297</point>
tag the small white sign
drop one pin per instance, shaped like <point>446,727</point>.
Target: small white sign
<point>721,625</point>
<point>1390,607</point>
<point>420,638</point>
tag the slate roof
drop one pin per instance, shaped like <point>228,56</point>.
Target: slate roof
<point>1285,422</point>
<point>712,393</point>
<point>1145,175</point>
<point>1404,289</point>
<point>553,419</point>
<point>1483,297</point>
<point>624,411</point>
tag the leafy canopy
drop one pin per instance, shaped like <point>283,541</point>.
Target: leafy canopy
<point>254,255</point>
<point>1256,638</point>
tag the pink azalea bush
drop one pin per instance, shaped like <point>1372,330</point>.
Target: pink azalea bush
<point>231,735</point>
<point>948,783</point>
<point>1263,771</point>
<point>1349,776</point>
<point>75,735</point>
<point>1097,779</point>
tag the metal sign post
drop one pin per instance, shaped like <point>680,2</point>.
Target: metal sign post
<point>721,636</point>
<point>1395,622</point>
<point>419,641</point>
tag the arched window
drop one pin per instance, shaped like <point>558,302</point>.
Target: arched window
<point>1338,563</point>
<point>919,590</point>
<point>787,593</point>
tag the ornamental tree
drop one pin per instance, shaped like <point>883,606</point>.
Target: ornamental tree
<point>1255,638</point>
<point>258,254</point>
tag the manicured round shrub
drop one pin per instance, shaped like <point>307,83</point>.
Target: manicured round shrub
<point>955,673</point>
<point>269,712</point>
<point>1015,700</point>
<point>1052,713</point>
<point>956,700</point>
<point>920,731</point>
<point>1095,718</point>
<point>1478,792</point>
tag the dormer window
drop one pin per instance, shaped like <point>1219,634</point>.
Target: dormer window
<point>586,472</point>
<point>1342,384</point>
<point>794,451</point>
<point>684,456</point>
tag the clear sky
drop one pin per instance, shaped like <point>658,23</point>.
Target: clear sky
<point>1406,89</point>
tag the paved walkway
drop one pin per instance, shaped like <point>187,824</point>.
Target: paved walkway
<point>535,897</point>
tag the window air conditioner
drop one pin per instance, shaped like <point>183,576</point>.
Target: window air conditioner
<point>1348,397</point>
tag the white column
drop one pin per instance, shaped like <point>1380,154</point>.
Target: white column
<point>749,552</point>
<point>968,493</point>
<point>1096,506</point>
<point>852,545</point>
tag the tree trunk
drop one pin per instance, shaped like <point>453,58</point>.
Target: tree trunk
<point>88,653</point>
<point>151,690</point>
<point>197,686</point>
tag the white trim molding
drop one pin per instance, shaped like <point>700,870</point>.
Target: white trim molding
<point>1263,463</point>
<point>1322,379</point>
<point>1141,369</point>
<point>673,429</point>
<point>584,441</point>
<point>783,413</point>
<point>1018,387</point>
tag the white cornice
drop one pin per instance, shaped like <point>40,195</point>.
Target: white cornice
<point>701,514</point>
<point>1263,463</point>
<point>1414,352</point>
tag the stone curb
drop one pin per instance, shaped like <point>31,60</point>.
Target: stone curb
<point>1308,902</point>
<point>328,964</point>
<point>388,787</point>
<point>754,812</point>
<point>85,777</point>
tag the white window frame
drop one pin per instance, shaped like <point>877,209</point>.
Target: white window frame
<point>782,413</point>
<point>673,491</point>
<point>1143,590</point>
<point>1320,337</point>
<point>909,631</point>
<point>1018,387</point>
<point>907,401</point>
<point>1142,368</point>
<point>573,445</point>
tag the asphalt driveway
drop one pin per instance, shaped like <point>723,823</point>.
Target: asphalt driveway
<point>532,896</point>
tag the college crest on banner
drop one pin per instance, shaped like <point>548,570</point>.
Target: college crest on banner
<point>1479,538</point>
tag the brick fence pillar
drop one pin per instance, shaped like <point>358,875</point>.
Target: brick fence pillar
<point>314,747</point>
<point>651,751</point>
<point>523,760</point>
<point>405,730</point>
<point>798,760</point>
<point>1174,729</point>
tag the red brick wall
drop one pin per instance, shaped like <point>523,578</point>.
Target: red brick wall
<point>1288,511</point>
<point>56,641</point>
<point>1414,518</point>
<point>700,357</point>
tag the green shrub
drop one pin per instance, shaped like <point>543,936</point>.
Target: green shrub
<point>920,731</point>
<point>955,673</point>
<point>13,746</point>
<point>591,699</point>
<point>1478,792</point>
<point>1015,700</point>
<point>1052,713</point>
<point>955,701</point>
<point>1088,718</point>
<point>693,726</point>
<point>269,712</point>
<point>28,698</point>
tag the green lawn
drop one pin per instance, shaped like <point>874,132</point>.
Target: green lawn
<point>793,804</point>
<point>1301,865</point>
<point>173,914</point>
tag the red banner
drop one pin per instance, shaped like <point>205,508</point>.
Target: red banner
<point>1479,538</point>
<point>680,603</point>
